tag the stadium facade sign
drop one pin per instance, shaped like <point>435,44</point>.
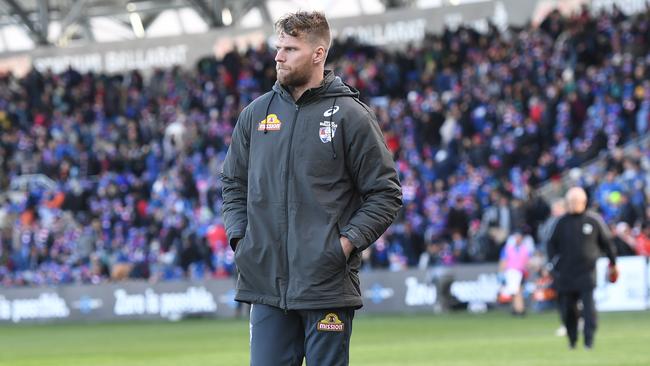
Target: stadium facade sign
<point>403,32</point>
<point>398,28</point>
<point>395,28</point>
<point>626,6</point>
<point>116,61</point>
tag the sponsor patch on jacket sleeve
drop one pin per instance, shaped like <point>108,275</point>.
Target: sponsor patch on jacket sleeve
<point>270,123</point>
<point>330,323</point>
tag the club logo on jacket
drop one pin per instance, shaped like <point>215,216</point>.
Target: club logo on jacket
<point>270,123</point>
<point>331,111</point>
<point>587,229</point>
<point>330,323</point>
<point>327,131</point>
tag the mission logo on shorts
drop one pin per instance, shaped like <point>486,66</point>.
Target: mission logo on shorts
<point>330,323</point>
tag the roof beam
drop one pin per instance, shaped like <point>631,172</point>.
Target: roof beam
<point>266,14</point>
<point>148,19</point>
<point>87,30</point>
<point>44,17</point>
<point>241,8</point>
<point>34,32</point>
<point>73,17</point>
<point>208,13</point>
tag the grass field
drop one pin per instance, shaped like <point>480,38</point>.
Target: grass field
<point>455,339</point>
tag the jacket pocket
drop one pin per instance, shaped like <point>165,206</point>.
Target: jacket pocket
<point>340,255</point>
<point>240,243</point>
<point>339,248</point>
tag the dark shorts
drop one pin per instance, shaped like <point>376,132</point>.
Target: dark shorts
<point>322,337</point>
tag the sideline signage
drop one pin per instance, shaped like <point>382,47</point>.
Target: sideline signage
<point>124,300</point>
<point>403,292</point>
<point>411,291</point>
<point>630,292</point>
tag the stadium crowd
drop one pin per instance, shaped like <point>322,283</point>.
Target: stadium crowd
<point>476,122</point>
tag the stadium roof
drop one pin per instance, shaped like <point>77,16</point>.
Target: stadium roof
<point>26,24</point>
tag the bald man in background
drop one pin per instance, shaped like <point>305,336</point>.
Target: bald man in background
<point>578,240</point>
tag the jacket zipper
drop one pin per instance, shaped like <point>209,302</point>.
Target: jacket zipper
<point>284,304</point>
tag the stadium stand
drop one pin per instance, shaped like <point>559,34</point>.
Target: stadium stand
<point>129,164</point>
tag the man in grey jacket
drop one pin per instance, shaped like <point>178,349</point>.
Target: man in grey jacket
<point>308,184</point>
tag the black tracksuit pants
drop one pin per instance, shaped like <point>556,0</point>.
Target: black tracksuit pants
<point>568,303</point>
<point>279,338</point>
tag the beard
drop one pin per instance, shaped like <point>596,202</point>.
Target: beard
<point>294,77</point>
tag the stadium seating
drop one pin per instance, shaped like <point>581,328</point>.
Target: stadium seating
<point>126,167</point>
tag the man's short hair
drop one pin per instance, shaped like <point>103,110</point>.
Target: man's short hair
<point>313,25</point>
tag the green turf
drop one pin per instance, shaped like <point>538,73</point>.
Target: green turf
<point>455,339</point>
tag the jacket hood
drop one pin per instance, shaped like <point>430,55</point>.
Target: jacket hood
<point>331,86</point>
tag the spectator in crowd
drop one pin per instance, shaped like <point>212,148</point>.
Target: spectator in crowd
<point>558,209</point>
<point>624,240</point>
<point>458,219</point>
<point>514,268</point>
<point>643,241</point>
<point>438,253</point>
<point>496,224</point>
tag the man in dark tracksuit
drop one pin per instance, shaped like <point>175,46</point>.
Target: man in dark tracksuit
<point>578,239</point>
<point>308,184</point>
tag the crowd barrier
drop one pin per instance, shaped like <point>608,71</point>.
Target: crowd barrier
<point>474,287</point>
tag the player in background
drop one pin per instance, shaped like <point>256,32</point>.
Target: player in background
<point>577,241</point>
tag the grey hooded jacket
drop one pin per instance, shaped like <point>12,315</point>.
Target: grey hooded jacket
<point>297,176</point>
